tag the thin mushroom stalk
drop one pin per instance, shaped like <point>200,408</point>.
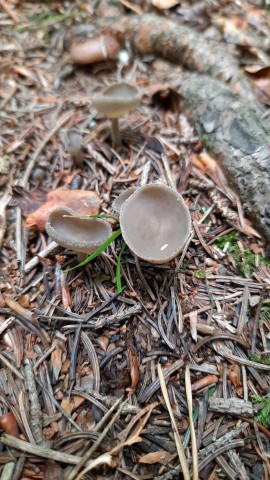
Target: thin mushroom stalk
<point>115,132</point>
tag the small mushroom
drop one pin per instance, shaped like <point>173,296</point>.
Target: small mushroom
<point>155,223</point>
<point>73,143</point>
<point>116,100</point>
<point>120,200</point>
<point>82,235</point>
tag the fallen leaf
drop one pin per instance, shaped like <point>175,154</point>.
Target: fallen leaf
<point>257,71</point>
<point>9,424</point>
<point>38,204</point>
<point>234,375</point>
<point>155,457</point>
<point>164,95</point>
<point>163,4</point>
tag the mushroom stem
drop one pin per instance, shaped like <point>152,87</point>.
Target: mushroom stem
<point>116,139</point>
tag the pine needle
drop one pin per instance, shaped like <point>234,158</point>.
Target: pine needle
<point>192,429</point>
<point>179,445</point>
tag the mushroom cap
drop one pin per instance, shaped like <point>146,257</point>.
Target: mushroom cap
<point>119,201</point>
<point>71,231</point>
<point>117,99</point>
<point>155,223</point>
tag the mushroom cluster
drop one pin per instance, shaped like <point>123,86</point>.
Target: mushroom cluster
<point>154,220</point>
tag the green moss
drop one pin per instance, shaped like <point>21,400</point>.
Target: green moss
<point>258,359</point>
<point>199,273</point>
<point>244,260</point>
<point>263,415</point>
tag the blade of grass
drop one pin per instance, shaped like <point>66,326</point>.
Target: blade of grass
<point>118,268</point>
<point>98,251</point>
<point>179,445</point>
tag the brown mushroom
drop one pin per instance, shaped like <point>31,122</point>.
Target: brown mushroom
<point>155,223</point>
<point>82,235</point>
<point>116,100</point>
<point>95,49</point>
<point>120,200</point>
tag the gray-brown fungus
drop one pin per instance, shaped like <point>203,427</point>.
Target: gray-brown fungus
<point>120,200</point>
<point>155,223</point>
<point>82,235</point>
<point>114,101</point>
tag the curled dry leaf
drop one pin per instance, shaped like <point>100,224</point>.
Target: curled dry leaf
<point>204,382</point>
<point>234,375</point>
<point>9,425</point>
<point>80,201</point>
<point>164,95</point>
<point>156,457</point>
<point>96,49</point>
<point>134,370</point>
<point>163,4</point>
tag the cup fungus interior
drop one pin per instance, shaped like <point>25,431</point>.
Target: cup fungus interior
<point>155,223</point>
<point>79,234</point>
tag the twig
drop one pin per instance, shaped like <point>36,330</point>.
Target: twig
<point>7,472</point>
<point>9,11</point>
<point>43,253</point>
<point>38,451</point>
<point>191,425</point>
<point>179,445</point>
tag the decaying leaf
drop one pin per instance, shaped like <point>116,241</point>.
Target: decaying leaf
<point>234,375</point>
<point>155,457</point>
<point>164,95</point>
<point>134,370</point>
<point>163,4</point>
<point>37,205</point>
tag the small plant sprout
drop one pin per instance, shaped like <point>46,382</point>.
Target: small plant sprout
<point>114,101</point>
<point>155,223</point>
<point>82,235</point>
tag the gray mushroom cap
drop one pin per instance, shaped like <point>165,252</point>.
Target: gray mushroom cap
<point>119,201</point>
<point>79,234</point>
<point>117,99</point>
<point>155,223</point>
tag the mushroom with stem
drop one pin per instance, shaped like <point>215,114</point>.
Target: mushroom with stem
<point>82,235</point>
<point>114,101</point>
<point>155,223</point>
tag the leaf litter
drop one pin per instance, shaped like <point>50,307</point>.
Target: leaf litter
<point>121,369</point>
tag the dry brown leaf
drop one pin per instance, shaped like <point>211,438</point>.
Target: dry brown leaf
<point>234,375</point>
<point>163,4</point>
<point>155,457</point>
<point>82,202</point>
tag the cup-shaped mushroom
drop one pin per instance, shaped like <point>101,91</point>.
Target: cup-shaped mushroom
<point>155,223</point>
<point>82,235</point>
<point>116,100</point>
<point>120,200</point>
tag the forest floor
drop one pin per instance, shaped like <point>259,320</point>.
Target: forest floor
<point>82,394</point>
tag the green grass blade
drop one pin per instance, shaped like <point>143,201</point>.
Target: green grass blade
<point>98,251</point>
<point>118,268</point>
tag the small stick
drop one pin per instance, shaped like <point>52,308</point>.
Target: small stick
<point>179,445</point>
<point>9,11</point>
<point>191,426</point>
<point>7,472</point>
<point>43,452</point>
<point>43,253</point>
